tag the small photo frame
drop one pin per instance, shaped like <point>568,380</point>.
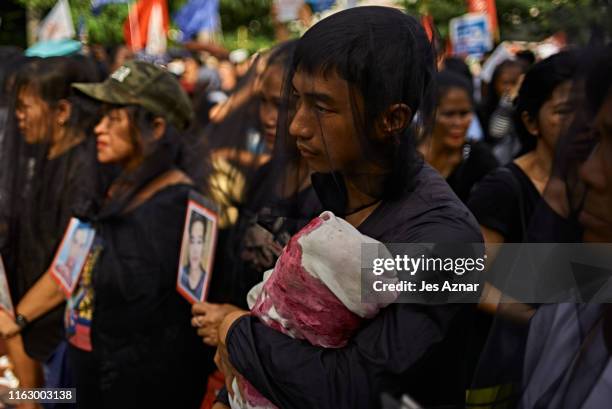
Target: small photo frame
<point>6,303</point>
<point>197,248</point>
<point>72,254</point>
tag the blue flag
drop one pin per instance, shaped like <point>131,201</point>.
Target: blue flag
<point>196,16</point>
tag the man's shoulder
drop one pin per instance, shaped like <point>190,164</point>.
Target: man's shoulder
<point>431,212</point>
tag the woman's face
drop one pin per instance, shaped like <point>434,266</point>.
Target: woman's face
<point>270,99</point>
<point>196,243</point>
<point>32,115</point>
<point>596,172</point>
<point>555,115</point>
<point>114,140</point>
<point>453,118</point>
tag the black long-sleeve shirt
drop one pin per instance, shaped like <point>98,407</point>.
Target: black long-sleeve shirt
<point>409,348</point>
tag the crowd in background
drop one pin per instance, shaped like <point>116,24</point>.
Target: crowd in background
<point>360,117</point>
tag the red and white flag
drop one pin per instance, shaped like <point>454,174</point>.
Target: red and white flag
<point>147,26</point>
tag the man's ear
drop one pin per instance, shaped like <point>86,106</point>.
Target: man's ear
<point>64,109</point>
<point>395,119</point>
<point>530,124</point>
<point>159,128</point>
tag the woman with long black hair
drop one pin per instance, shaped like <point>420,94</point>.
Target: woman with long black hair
<point>274,203</point>
<point>504,201</point>
<point>48,169</point>
<point>127,326</point>
<point>356,79</point>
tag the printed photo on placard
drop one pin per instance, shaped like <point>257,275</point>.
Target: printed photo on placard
<point>197,249</point>
<point>72,254</point>
<point>6,302</point>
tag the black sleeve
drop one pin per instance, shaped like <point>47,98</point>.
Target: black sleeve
<point>223,397</point>
<point>494,203</point>
<point>293,373</point>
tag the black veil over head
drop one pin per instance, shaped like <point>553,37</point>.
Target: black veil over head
<point>386,60</point>
<point>263,190</point>
<point>559,355</point>
<point>45,177</point>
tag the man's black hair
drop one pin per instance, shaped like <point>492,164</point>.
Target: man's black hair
<point>386,57</point>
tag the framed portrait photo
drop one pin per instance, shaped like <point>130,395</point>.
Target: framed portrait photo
<point>6,303</point>
<point>72,254</point>
<point>197,248</point>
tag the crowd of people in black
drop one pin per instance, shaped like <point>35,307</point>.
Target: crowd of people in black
<point>360,117</point>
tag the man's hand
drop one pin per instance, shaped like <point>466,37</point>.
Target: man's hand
<point>8,326</point>
<point>207,317</point>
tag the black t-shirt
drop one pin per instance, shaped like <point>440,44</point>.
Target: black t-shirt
<point>477,162</point>
<point>547,226</point>
<point>58,186</point>
<point>504,201</point>
<point>406,348</point>
<point>141,335</point>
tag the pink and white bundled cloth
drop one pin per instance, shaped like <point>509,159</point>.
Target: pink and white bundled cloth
<point>314,292</point>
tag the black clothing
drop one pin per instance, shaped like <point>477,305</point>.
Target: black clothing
<point>409,348</point>
<point>145,352</point>
<point>547,226</point>
<point>504,201</point>
<point>59,185</point>
<point>477,162</point>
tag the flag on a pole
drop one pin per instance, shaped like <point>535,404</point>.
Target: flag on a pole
<point>197,16</point>
<point>57,25</point>
<point>156,34</point>
<point>147,21</point>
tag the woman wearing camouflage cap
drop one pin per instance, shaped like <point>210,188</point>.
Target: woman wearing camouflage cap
<point>128,329</point>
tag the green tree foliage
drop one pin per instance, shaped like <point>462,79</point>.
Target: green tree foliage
<point>253,14</point>
<point>246,24</point>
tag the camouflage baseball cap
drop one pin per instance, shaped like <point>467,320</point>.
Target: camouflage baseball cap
<point>147,85</point>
